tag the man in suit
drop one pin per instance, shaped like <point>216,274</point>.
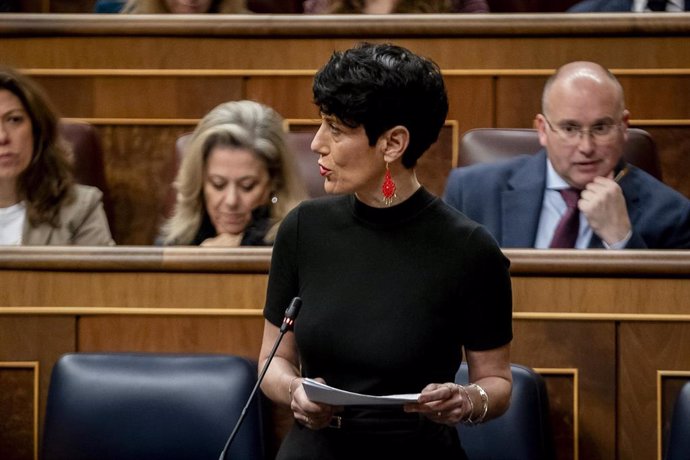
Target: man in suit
<point>638,6</point>
<point>582,130</point>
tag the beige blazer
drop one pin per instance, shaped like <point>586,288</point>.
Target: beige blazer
<point>82,222</point>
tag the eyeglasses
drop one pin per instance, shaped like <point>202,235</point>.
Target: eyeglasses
<point>571,134</point>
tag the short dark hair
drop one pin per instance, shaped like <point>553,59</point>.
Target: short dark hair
<point>380,86</point>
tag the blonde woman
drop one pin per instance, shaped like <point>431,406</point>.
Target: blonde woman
<point>184,6</point>
<point>237,179</point>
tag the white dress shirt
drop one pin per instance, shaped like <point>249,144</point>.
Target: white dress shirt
<point>640,6</point>
<point>12,224</point>
<point>552,209</point>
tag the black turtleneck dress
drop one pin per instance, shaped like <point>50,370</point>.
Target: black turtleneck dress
<point>390,298</point>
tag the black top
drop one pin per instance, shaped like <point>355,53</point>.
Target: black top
<point>390,297</point>
<point>254,234</point>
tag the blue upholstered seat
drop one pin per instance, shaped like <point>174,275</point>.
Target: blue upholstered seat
<point>122,406</point>
<point>490,144</point>
<point>678,447</point>
<point>108,6</point>
<point>523,432</point>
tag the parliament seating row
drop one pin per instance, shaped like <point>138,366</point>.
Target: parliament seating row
<point>179,406</point>
<point>494,66</point>
<point>477,145</point>
<point>607,399</point>
<point>124,406</point>
<point>263,6</point>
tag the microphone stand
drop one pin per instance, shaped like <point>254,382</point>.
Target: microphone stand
<point>288,323</point>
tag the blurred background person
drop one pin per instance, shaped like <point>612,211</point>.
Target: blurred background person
<point>237,180</point>
<point>39,201</point>
<point>395,6</point>
<point>184,6</point>
<point>578,191</point>
<point>636,6</point>
<point>9,6</point>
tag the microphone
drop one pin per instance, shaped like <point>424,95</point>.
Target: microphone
<point>288,323</point>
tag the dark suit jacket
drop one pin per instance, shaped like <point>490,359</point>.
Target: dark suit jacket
<point>506,197</point>
<point>586,6</point>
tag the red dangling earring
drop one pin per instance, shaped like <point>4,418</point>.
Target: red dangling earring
<point>388,188</point>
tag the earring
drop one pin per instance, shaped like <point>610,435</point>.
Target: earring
<point>388,188</point>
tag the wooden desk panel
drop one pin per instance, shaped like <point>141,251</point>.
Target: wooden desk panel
<point>605,329</point>
<point>38,341</point>
<point>237,335</point>
<point>583,353</point>
<point>650,354</point>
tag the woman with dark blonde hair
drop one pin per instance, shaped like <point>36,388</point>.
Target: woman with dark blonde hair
<point>185,6</point>
<point>39,201</point>
<point>237,179</point>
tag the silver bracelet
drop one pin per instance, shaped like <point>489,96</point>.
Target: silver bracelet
<point>485,405</point>
<point>468,420</point>
<point>290,387</point>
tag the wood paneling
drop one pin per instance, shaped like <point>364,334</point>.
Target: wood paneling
<point>230,335</point>
<point>27,338</point>
<point>471,101</point>
<point>602,326</point>
<point>596,295</point>
<point>518,100</point>
<point>127,97</point>
<point>541,344</point>
<point>645,351</point>
<point>673,144</point>
<point>291,96</point>
<point>562,390</point>
<point>140,168</point>
<point>17,412</point>
<point>656,97</point>
<point>126,290</point>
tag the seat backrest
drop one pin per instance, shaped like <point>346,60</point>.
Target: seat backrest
<point>108,6</point>
<point>490,144</point>
<point>122,406</point>
<point>678,447</point>
<point>307,161</point>
<point>88,163</point>
<point>523,432</point>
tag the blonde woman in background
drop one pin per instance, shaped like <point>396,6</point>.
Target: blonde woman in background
<point>237,180</point>
<point>185,6</point>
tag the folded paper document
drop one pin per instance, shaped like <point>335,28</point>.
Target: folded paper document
<point>320,392</point>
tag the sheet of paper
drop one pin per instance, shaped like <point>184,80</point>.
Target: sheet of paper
<point>319,392</point>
